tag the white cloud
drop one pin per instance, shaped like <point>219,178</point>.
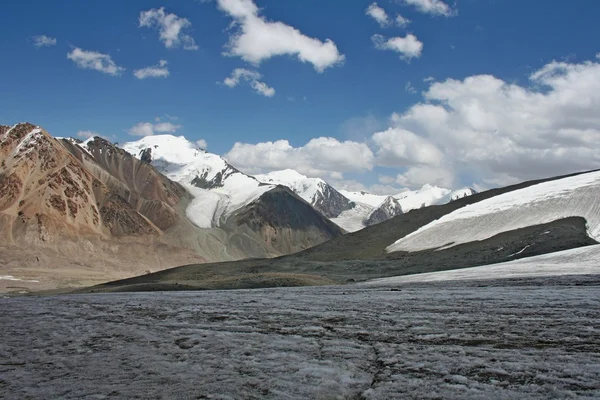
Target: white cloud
<point>253,78</point>
<point>409,46</point>
<point>401,21</point>
<point>94,60</point>
<point>202,144</point>
<point>418,176</point>
<point>149,129</point>
<point>500,132</point>
<point>321,157</point>
<point>433,7</point>
<point>257,39</point>
<point>410,88</point>
<point>171,28</point>
<point>386,179</point>
<point>378,14</point>
<point>43,41</point>
<point>429,79</point>
<point>87,134</point>
<point>399,148</point>
<point>156,71</point>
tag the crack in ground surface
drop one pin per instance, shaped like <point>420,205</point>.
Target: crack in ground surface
<point>528,338</point>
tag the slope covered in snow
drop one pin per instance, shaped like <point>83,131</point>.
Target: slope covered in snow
<point>533,205</point>
<point>303,186</point>
<point>426,196</point>
<point>373,200</point>
<point>219,189</point>
<point>353,220</point>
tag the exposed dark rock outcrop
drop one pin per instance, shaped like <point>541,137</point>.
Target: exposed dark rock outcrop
<point>390,208</point>
<point>330,202</point>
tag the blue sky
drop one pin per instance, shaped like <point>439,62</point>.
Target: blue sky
<point>378,106</point>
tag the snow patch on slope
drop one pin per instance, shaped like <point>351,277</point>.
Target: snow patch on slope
<point>352,220</point>
<point>581,261</point>
<point>537,204</point>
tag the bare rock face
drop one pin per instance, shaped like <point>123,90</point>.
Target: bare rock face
<point>146,190</point>
<point>286,222</point>
<point>330,202</point>
<point>82,205</point>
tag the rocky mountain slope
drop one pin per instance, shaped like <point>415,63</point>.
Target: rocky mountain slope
<point>74,212</point>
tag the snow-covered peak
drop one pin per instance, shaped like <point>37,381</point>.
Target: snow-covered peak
<point>305,187</point>
<point>219,189</point>
<point>455,195</point>
<point>370,199</point>
<point>177,157</point>
<point>426,196</point>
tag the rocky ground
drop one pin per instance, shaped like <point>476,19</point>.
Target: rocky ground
<point>508,338</point>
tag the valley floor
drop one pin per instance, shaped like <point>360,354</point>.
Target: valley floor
<point>535,337</point>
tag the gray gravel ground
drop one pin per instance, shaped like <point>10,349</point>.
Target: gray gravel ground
<point>504,339</point>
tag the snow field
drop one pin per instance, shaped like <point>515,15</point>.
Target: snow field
<point>534,205</point>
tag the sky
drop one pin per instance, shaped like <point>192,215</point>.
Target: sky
<point>375,96</point>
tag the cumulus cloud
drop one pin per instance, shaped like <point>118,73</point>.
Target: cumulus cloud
<point>149,129</point>
<point>172,29</point>
<point>202,144</point>
<point>409,46</point>
<point>402,21</point>
<point>87,134</point>
<point>258,39</point>
<point>94,60</point>
<point>252,78</point>
<point>433,7</point>
<point>323,157</point>
<point>378,14</point>
<point>156,71</point>
<point>43,41</point>
<point>398,147</point>
<point>418,176</point>
<point>501,132</point>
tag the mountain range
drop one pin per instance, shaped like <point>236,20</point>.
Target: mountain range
<point>78,212</point>
<point>495,226</point>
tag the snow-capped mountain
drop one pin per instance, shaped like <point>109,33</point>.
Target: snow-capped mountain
<point>219,188</point>
<point>378,208</point>
<point>315,191</point>
<point>226,198</point>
